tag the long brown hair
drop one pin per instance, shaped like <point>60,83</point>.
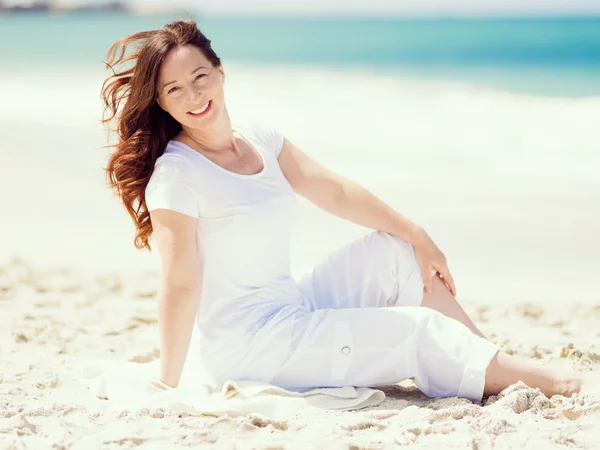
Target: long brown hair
<point>142,127</point>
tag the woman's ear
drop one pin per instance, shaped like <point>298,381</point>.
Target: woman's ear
<point>220,69</point>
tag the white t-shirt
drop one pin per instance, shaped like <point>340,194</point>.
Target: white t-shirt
<point>244,235</point>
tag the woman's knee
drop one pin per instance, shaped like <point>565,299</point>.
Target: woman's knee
<point>405,271</point>
<point>403,252</point>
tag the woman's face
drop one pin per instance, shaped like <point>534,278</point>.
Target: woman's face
<point>190,88</point>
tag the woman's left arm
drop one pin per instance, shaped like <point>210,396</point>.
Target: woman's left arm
<point>347,199</point>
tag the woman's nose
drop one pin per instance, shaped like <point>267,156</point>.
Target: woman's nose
<point>195,95</point>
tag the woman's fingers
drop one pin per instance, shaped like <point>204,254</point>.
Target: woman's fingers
<point>159,384</point>
<point>152,388</point>
<point>426,271</point>
<point>430,264</point>
<point>445,275</point>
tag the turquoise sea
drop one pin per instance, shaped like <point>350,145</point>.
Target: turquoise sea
<point>545,56</point>
<point>422,112</point>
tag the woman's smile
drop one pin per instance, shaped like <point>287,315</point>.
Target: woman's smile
<point>202,110</point>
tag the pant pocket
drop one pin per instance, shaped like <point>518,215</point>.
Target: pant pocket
<point>343,352</point>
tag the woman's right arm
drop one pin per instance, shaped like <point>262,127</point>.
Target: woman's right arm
<point>180,287</point>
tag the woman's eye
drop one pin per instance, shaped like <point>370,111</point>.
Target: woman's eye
<point>173,89</point>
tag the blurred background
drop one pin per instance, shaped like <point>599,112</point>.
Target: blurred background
<point>477,120</point>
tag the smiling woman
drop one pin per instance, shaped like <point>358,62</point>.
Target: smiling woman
<point>218,199</point>
<point>191,91</point>
<point>151,115</point>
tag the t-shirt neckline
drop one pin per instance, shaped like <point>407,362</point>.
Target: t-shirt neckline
<point>222,169</point>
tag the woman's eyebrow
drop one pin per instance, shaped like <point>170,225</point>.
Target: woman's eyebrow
<point>175,81</point>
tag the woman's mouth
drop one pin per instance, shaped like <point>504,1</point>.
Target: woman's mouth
<point>202,110</point>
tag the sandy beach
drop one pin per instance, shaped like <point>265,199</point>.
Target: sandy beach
<point>507,185</point>
<point>51,317</point>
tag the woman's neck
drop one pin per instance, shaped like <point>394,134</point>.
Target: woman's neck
<point>216,138</point>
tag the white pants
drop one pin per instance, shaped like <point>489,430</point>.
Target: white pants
<point>362,325</point>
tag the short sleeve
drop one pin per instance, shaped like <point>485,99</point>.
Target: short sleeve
<point>171,187</point>
<point>275,140</point>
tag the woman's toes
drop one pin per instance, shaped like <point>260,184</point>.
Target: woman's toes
<point>568,386</point>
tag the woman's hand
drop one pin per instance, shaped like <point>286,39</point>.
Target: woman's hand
<point>429,257</point>
<point>157,383</point>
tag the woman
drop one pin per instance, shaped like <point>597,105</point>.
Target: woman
<point>218,196</point>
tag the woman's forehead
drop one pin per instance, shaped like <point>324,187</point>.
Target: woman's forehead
<point>182,60</point>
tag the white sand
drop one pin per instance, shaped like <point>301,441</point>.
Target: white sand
<point>49,318</point>
<point>507,186</point>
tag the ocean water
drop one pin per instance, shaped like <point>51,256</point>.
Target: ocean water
<point>548,56</point>
<point>482,131</point>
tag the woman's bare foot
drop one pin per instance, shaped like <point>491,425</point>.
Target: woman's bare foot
<point>505,370</point>
<point>565,385</point>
